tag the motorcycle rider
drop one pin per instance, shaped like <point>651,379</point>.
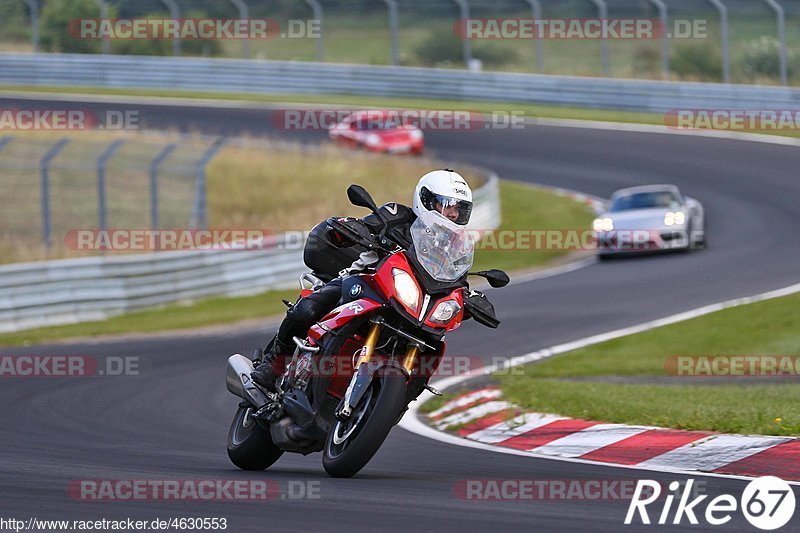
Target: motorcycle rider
<point>440,193</point>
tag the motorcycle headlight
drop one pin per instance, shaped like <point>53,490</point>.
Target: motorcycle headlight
<point>406,289</point>
<point>603,224</point>
<point>373,139</point>
<point>445,312</point>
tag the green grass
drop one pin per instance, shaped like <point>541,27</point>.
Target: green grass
<point>765,328</point>
<point>267,188</point>
<point>436,402</point>
<point>755,409</point>
<point>524,206</point>
<point>769,327</point>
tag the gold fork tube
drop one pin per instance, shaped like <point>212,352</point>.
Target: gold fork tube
<point>410,360</point>
<point>369,345</point>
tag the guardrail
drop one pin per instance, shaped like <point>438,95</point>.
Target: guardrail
<point>283,77</point>
<point>77,290</point>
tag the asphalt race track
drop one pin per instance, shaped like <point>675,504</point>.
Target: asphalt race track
<point>171,421</point>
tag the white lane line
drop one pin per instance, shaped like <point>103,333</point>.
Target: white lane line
<point>516,426</point>
<point>589,440</point>
<point>714,452</point>
<point>473,413</point>
<point>472,397</point>
<point>546,353</point>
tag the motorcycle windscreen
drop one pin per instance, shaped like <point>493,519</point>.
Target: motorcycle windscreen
<point>445,253</point>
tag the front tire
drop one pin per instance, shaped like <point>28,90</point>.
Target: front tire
<point>349,448</point>
<point>250,446</point>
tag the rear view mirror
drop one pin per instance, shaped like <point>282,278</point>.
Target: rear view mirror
<point>360,197</point>
<point>496,278</point>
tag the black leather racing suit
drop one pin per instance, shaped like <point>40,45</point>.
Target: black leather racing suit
<point>309,310</point>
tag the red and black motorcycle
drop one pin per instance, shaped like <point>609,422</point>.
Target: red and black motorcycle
<point>351,380</point>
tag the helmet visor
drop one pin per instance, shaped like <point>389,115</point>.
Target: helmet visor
<point>453,209</point>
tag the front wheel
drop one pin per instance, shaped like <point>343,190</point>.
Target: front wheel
<point>250,446</point>
<point>351,444</point>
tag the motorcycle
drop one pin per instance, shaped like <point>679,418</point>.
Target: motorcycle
<point>352,378</point>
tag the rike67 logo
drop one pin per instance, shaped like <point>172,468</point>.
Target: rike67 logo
<point>767,503</point>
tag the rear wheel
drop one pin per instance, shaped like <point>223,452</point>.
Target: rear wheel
<point>250,446</point>
<point>351,444</point>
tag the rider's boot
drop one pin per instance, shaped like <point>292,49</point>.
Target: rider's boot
<point>272,366</point>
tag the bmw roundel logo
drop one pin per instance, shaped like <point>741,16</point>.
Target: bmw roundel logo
<point>355,290</point>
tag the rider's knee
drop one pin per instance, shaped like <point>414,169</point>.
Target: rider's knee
<point>306,311</point>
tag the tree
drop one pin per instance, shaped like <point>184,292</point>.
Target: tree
<point>14,21</point>
<point>58,16</point>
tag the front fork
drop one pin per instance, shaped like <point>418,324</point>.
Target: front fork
<point>362,378</point>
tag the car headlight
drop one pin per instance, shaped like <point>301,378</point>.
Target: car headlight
<point>678,218</point>
<point>445,312</point>
<point>416,135</point>
<point>603,224</point>
<point>373,139</point>
<point>406,289</point>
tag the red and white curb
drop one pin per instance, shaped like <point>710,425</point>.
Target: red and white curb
<point>595,203</point>
<point>483,416</point>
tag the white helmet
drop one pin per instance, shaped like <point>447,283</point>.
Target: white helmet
<point>446,194</point>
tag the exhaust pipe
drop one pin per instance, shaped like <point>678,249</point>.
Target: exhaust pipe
<point>238,380</point>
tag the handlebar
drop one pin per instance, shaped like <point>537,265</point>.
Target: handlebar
<point>364,238</point>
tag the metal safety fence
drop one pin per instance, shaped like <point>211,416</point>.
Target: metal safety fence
<point>49,186</point>
<point>421,33</point>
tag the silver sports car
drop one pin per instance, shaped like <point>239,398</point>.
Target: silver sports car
<point>649,218</point>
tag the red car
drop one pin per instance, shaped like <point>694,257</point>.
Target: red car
<point>378,131</point>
